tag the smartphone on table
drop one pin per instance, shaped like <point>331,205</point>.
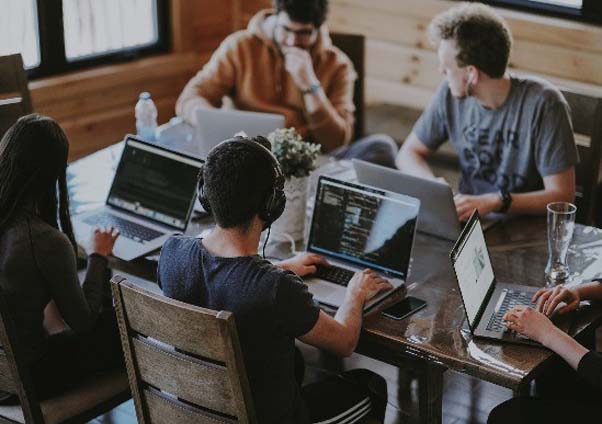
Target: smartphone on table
<point>404,308</point>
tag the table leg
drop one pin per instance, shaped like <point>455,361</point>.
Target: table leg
<point>430,394</point>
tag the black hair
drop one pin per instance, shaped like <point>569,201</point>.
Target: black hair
<point>304,11</point>
<point>237,182</point>
<point>33,167</point>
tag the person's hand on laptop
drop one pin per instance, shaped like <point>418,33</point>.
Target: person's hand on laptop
<point>367,283</point>
<point>303,263</point>
<point>531,323</point>
<point>484,203</point>
<point>103,240</point>
<point>548,299</point>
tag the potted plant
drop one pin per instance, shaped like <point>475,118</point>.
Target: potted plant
<point>297,159</point>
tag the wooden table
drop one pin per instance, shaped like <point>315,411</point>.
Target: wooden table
<point>434,339</point>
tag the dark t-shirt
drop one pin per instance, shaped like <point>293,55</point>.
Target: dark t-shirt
<point>512,147</point>
<point>271,308</point>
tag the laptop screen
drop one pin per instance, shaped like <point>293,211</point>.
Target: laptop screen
<point>363,225</point>
<point>473,268</point>
<point>155,183</point>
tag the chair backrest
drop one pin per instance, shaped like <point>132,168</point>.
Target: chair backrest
<point>184,362</point>
<point>353,45</point>
<point>15,100</point>
<point>14,372</point>
<point>586,115</point>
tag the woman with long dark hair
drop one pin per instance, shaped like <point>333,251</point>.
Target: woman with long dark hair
<point>38,262</point>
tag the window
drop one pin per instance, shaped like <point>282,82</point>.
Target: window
<point>18,30</point>
<point>61,35</point>
<point>584,10</point>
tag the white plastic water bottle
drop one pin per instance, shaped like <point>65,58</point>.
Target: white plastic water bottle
<point>146,117</point>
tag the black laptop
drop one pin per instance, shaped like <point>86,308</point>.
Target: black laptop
<point>485,299</point>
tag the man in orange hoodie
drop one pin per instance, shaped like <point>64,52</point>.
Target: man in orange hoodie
<point>285,63</point>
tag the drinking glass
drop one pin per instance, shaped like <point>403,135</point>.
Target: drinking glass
<point>561,224</point>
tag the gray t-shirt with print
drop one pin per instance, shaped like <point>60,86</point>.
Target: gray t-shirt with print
<point>512,147</point>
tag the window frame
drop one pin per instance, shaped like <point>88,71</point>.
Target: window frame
<point>591,11</point>
<point>53,60</point>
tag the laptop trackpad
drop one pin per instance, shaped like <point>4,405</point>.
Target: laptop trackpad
<point>325,292</point>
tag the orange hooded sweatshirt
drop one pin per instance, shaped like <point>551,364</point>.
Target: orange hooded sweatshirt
<point>249,68</point>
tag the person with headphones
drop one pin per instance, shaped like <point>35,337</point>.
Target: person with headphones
<point>513,134</point>
<point>241,184</point>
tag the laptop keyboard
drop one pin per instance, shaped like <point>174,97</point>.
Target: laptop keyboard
<point>127,228</point>
<point>512,298</point>
<point>334,274</point>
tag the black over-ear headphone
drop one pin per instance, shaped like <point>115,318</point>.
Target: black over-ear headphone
<point>276,200</point>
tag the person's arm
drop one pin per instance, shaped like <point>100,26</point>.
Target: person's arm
<point>78,305</point>
<point>303,263</point>
<point>590,291</point>
<point>329,110</point>
<point>412,156</point>
<point>557,188</point>
<point>429,132</point>
<point>340,334</point>
<point>207,88</point>
<point>538,327</point>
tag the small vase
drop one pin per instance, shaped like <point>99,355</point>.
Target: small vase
<point>292,221</point>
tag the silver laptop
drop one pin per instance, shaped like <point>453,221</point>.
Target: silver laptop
<point>150,199</point>
<point>438,216</point>
<point>216,125</point>
<point>357,227</point>
<point>486,300</point>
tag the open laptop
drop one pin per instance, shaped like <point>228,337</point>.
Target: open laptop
<point>357,227</point>
<point>151,198</point>
<point>438,215</point>
<point>216,125</point>
<point>485,299</point>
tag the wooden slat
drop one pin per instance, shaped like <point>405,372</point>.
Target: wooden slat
<point>525,26</point>
<point>164,410</point>
<point>6,379</point>
<point>98,130</point>
<point>382,91</point>
<point>113,97</point>
<point>154,316</point>
<point>201,25</point>
<point>410,31</point>
<point>51,90</point>
<point>185,377</point>
<point>406,65</point>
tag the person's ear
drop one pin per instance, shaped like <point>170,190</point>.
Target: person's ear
<point>473,76</point>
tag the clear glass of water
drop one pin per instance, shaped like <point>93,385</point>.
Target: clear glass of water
<point>561,224</point>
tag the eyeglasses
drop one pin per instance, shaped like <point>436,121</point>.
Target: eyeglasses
<point>301,34</point>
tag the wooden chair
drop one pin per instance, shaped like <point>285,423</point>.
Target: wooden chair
<point>353,45</point>
<point>586,114</point>
<point>15,100</point>
<point>94,397</point>
<point>184,362</point>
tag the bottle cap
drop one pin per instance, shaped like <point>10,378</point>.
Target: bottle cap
<point>145,95</point>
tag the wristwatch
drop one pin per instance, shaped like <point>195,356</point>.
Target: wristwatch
<point>506,199</point>
<point>312,89</point>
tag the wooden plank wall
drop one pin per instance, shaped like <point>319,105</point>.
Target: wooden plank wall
<point>401,65</point>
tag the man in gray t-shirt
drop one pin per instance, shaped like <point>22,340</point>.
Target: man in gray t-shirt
<point>513,135</point>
